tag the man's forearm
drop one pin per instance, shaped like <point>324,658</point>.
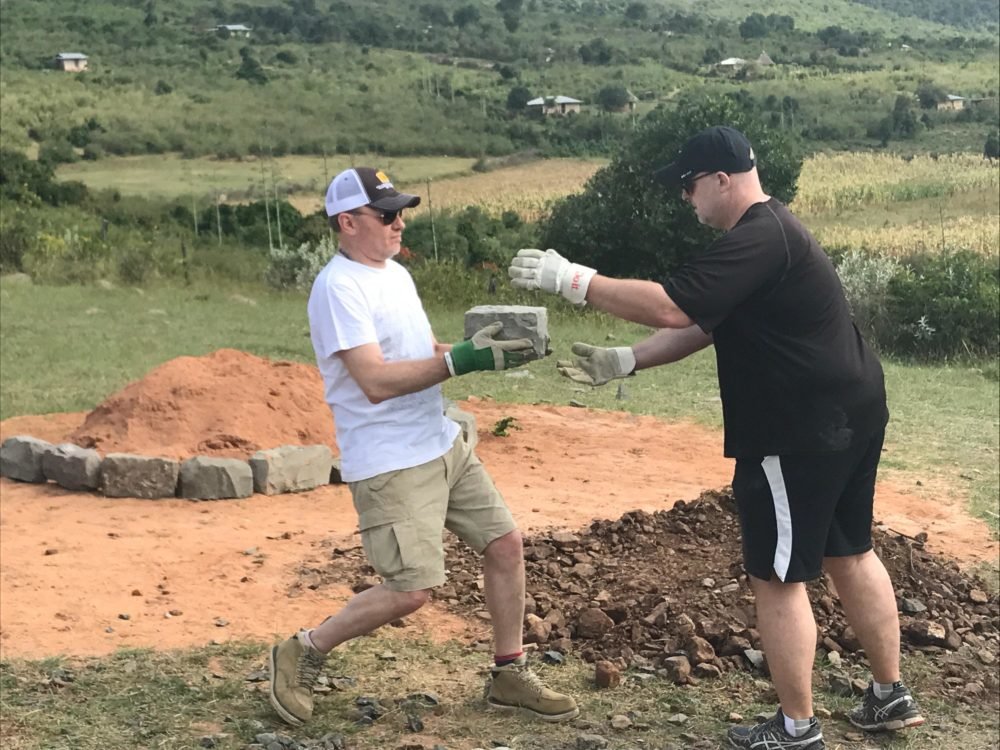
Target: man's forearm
<point>669,345</point>
<point>644,302</point>
<point>392,379</point>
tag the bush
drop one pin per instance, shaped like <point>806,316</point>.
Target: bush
<point>297,268</point>
<point>625,225</point>
<point>944,305</point>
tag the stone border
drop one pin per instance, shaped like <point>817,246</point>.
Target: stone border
<point>287,468</point>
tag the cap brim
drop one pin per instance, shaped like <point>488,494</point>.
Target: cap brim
<point>669,176</point>
<point>396,202</point>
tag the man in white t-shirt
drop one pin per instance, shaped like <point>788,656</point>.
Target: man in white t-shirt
<point>410,471</point>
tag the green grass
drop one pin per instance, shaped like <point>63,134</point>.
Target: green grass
<point>170,700</point>
<point>68,348</point>
<point>170,176</point>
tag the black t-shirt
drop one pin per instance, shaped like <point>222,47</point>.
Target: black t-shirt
<point>795,374</point>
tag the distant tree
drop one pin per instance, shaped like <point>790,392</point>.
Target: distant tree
<point>637,12</point>
<point>753,26</point>
<point>250,70</point>
<point>929,94</point>
<point>612,98</point>
<point>287,56</point>
<point>435,14</point>
<point>712,55</point>
<point>991,149</point>
<point>465,16</point>
<point>518,98</point>
<point>596,52</point>
<point>511,22</point>
<point>162,87</point>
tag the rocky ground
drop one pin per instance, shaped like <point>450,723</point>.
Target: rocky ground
<point>665,594</point>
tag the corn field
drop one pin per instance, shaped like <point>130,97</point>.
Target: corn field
<point>831,183</point>
<point>978,233</point>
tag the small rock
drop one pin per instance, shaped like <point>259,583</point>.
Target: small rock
<point>620,721</point>
<point>124,616</point>
<point>607,675</point>
<point>677,719</point>
<point>735,718</point>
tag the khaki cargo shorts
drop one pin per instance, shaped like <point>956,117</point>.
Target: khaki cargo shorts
<point>403,514</point>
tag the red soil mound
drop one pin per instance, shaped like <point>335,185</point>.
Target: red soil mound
<point>227,403</point>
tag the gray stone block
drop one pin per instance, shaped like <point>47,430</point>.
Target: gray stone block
<point>127,475</point>
<point>519,322</point>
<point>466,421</point>
<point>291,468</point>
<point>72,467</point>
<point>208,478</point>
<point>335,475</point>
<point>21,458</point>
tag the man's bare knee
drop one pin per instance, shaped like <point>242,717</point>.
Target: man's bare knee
<point>506,550</point>
<point>408,602</point>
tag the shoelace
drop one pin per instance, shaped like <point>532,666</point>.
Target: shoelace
<point>772,729</point>
<point>532,680</point>
<point>309,666</point>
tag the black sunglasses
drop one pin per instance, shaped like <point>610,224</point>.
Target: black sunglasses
<point>386,217</point>
<point>687,184</point>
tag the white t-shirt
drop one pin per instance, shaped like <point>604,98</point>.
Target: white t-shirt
<point>352,304</point>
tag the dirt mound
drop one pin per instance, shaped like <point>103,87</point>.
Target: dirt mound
<point>649,587</point>
<point>227,403</point>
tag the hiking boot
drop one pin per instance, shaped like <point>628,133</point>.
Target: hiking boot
<point>295,665</point>
<point>898,711</point>
<point>514,687</point>
<point>771,735</point>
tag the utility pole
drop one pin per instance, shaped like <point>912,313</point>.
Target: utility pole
<point>430,210</point>
<point>267,210</point>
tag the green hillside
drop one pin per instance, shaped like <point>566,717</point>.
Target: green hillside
<point>451,77</point>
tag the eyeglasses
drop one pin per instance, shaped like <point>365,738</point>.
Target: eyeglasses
<point>386,217</point>
<point>687,184</point>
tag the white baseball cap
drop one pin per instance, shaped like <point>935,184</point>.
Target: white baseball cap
<point>364,186</point>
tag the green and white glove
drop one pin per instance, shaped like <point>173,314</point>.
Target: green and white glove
<point>550,272</point>
<point>597,366</point>
<point>483,352</point>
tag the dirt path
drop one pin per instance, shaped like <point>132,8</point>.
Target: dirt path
<point>72,563</point>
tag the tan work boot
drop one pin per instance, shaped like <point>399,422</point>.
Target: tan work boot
<point>515,687</point>
<point>295,665</point>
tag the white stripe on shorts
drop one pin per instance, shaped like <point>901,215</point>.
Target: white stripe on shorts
<point>782,515</point>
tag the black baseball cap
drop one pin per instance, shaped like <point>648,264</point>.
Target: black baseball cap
<point>364,186</point>
<point>716,149</point>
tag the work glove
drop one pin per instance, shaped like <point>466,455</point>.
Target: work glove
<point>483,352</point>
<point>596,366</point>
<point>550,272</point>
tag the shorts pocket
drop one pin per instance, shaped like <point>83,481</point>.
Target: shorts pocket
<point>391,548</point>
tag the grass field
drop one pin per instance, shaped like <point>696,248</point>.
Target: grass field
<point>68,348</point>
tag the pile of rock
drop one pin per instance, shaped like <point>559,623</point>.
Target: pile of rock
<point>288,468</point>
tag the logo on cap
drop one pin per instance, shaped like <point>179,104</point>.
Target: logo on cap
<point>384,183</point>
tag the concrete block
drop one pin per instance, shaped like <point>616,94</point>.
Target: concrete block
<point>208,478</point>
<point>519,322</point>
<point>127,475</point>
<point>21,458</point>
<point>291,468</point>
<point>72,467</point>
<point>466,421</point>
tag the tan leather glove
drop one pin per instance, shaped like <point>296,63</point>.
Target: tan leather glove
<point>595,365</point>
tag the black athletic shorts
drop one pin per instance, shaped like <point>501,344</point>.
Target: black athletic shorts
<point>797,509</point>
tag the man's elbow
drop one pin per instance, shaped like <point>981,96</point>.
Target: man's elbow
<point>671,316</point>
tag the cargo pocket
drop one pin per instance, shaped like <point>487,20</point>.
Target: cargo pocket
<point>391,548</point>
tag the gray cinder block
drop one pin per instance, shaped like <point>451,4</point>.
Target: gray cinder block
<point>208,478</point>
<point>291,468</point>
<point>519,322</point>
<point>21,458</point>
<point>127,475</point>
<point>72,467</point>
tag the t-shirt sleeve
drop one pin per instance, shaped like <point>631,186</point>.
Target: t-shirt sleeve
<point>726,274</point>
<point>340,318</point>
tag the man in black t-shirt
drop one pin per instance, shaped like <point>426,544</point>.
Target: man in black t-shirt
<point>804,407</point>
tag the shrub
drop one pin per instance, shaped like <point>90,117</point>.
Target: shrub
<point>297,267</point>
<point>625,225</point>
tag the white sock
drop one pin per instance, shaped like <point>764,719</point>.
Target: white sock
<point>307,637</point>
<point>796,727</point>
<point>882,691</point>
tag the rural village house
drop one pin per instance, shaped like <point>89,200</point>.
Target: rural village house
<point>952,103</point>
<point>71,62</point>
<point>233,29</point>
<point>558,106</point>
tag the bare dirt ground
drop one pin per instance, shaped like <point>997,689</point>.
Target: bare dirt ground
<point>85,575</point>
